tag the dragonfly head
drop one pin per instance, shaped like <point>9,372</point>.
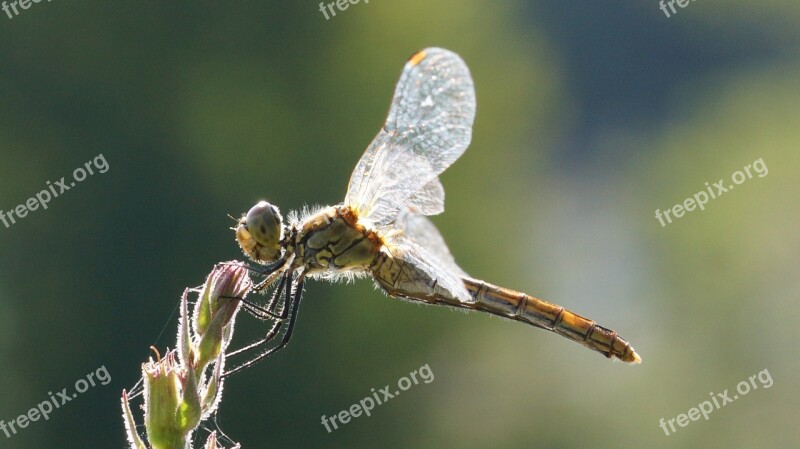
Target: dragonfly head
<point>260,231</point>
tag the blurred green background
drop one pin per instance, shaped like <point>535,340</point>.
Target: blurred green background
<point>590,116</point>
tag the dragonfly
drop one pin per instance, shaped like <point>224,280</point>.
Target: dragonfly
<point>381,230</point>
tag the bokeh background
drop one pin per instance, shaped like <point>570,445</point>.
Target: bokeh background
<point>590,116</point>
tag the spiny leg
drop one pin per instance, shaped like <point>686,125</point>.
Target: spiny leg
<point>265,313</point>
<point>284,288</point>
<point>294,300</point>
<point>294,303</point>
<point>272,271</point>
<point>264,270</point>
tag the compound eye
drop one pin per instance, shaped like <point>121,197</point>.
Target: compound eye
<point>265,224</point>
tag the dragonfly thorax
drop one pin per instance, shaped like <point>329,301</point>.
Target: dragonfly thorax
<point>333,239</point>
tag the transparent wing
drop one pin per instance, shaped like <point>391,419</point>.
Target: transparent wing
<point>429,200</point>
<point>422,273</point>
<point>421,231</point>
<point>428,127</point>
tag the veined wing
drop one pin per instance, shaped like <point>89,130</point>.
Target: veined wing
<point>428,127</point>
<point>421,266</point>
<point>429,200</point>
<point>423,232</point>
<point>408,270</point>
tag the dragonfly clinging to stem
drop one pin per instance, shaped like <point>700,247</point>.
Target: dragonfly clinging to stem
<point>381,229</point>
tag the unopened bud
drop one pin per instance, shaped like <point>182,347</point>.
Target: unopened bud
<point>162,395</point>
<point>216,308</point>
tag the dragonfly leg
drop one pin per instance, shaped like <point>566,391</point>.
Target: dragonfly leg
<point>293,295</point>
<point>264,313</point>
<point>270,271</point>
<point>284,289</point>
<point>263,270</point>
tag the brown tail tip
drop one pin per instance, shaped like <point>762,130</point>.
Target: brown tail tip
<point>622,350</point>
<point>632,357</point>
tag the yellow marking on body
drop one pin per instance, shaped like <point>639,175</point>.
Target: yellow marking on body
<point>418,57</point>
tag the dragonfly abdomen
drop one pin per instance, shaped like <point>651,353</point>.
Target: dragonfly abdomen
<point>408,281</point>
<point>527,309</point>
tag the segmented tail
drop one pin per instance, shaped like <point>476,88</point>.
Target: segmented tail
<point>527,309</point>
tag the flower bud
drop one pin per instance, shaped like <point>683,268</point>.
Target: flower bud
<point>167,415</point>
<point>216,308</point>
